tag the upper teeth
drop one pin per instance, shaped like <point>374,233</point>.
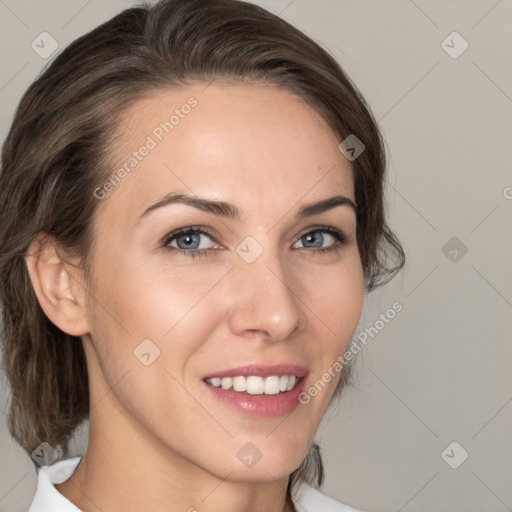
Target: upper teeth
<point>255,385</point>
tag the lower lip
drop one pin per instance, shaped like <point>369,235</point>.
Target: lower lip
<point>260,406</point>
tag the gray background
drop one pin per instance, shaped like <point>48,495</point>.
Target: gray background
<point>439,372</point>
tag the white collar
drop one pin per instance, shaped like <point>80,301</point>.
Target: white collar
<point>47,497</point>
<point>306,498</point>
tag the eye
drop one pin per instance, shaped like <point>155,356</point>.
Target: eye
<point>188,241</point>
<point>315,238</point>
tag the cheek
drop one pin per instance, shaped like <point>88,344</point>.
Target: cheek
<point>165,311</point>
<point>159,292</point>
<point>336,300</point>
<point>173,305</point>
<point>335,295</point>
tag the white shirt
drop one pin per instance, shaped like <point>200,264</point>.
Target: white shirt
<point>48,499</point>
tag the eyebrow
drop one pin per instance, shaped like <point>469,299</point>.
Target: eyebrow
<point>230,211</point>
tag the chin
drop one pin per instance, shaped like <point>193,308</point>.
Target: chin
<point>264,461</point>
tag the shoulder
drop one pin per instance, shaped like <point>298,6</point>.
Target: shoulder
<point>47,497</point>
<point>308,499</point>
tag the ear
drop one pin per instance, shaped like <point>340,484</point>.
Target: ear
<point>58,286</point>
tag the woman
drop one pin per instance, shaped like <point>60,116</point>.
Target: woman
<point>191,209</point>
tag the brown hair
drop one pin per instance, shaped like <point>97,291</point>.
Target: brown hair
<point>57,150</point>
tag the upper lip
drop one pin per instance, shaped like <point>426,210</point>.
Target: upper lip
<point>261,370</point>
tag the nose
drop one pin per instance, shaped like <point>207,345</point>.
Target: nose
<point>265,299</point>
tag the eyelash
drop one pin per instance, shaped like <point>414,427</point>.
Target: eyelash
<point>341,239</point>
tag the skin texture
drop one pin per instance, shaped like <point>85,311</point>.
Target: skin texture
<point>159,440</point>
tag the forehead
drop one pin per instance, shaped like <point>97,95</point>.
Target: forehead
<point>243,143</point>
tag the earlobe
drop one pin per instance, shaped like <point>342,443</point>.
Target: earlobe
<point>58,290</point>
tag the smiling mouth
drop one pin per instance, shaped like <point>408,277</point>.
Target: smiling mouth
<point>256,385</point>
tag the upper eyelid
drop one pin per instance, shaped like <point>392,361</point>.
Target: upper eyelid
<point>191,229</point>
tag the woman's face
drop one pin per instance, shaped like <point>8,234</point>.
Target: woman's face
<point>166,312</point>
